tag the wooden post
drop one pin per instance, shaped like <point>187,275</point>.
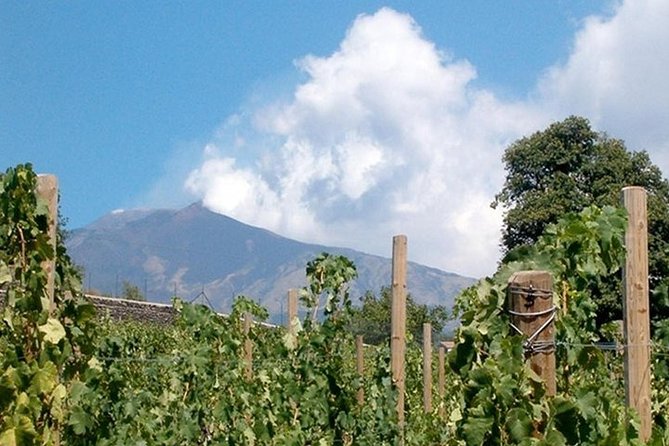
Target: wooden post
<point>427,367</point>
<point>532,313</point>
<point>292,308</point>
<point>47,190</point>
<point>636,309</point>
<point>398,321</point>
<point>360,366</point>
<point>248,347</point>
<point>442,379</point>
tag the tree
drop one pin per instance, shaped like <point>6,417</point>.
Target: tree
<point>372,318</point>
<point>568,167</point>
<point>131,292</point>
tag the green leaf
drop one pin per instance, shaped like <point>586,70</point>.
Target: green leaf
<point>53,331</point>
<point>5,273</point>
<point>57,399</point>
<point>566,418</point>
<point>79,420</point>
<point>8,438</point>
<point>290,337</point>
<point>249,436</point>
<point>519,424</point>
<point>477,428</point>
<point>586,404</point>
<point>42,207</point>
<point>7,317</point>
<point>8,381</point>
<point>555,438</point>
<point>562,405</point>
<point>45,378</point>
<point>23,433</point>
<point>94,364</point>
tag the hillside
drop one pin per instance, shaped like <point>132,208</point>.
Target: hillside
<point>191,250</point>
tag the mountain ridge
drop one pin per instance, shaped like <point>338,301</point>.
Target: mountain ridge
<point>193,250</point>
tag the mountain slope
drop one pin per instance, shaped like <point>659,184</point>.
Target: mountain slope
<point>192,250</point>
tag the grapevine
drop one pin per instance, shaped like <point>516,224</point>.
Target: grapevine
<point>73,377</point>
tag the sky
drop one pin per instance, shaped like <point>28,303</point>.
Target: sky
<point>336,122</point>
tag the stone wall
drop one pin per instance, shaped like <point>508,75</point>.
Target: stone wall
<point>122,309</point>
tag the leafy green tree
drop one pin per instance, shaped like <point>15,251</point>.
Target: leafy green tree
<point>372,318</point>
<point>568,167</point>
<point>131,292</point>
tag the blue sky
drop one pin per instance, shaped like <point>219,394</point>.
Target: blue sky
<point>332,122</point>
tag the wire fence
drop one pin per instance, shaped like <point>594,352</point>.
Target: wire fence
<point>657,349</point>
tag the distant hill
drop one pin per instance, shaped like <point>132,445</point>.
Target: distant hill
<point>192,250</point>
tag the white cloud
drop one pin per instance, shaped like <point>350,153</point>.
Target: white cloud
<point>617,76</point>
<point>388,135</point>
<point>234,191</point>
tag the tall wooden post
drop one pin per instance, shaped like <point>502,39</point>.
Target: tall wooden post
<point>47,190</point>
<point>292,309</point>
<point>360,366</point>
<point>427,367</point>
<point>398,321</point>
<point>248,347</point>
<point>636,309</point>
<point>532,314</point>
<point>442,379</point>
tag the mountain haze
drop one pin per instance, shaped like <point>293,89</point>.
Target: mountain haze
<point>194,250</point>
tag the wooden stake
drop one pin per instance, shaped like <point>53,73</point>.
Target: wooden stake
<point>292,308</point>
<point>360,366</point>
<point>636,309</point>
<point>442,379</point>
<point>427,367</point>
<point>47,190</point>
<point>532,312</point>
<point>248,347</point>
<point>398,321</point>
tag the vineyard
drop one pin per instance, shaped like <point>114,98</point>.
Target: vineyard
<point>71,377</point>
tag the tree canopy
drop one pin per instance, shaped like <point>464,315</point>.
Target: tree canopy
<point>372,318</point>
<point>132,292</point>
<point>568,167</point>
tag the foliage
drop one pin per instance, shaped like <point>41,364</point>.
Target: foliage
<point>131,291</point>
<point>372,318</point>
<point>502,401</point>
<point>568,167</point>
<point>187,384</point>
<point>68,379</point>
<point>328,276</point>
<point>42,351</point>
